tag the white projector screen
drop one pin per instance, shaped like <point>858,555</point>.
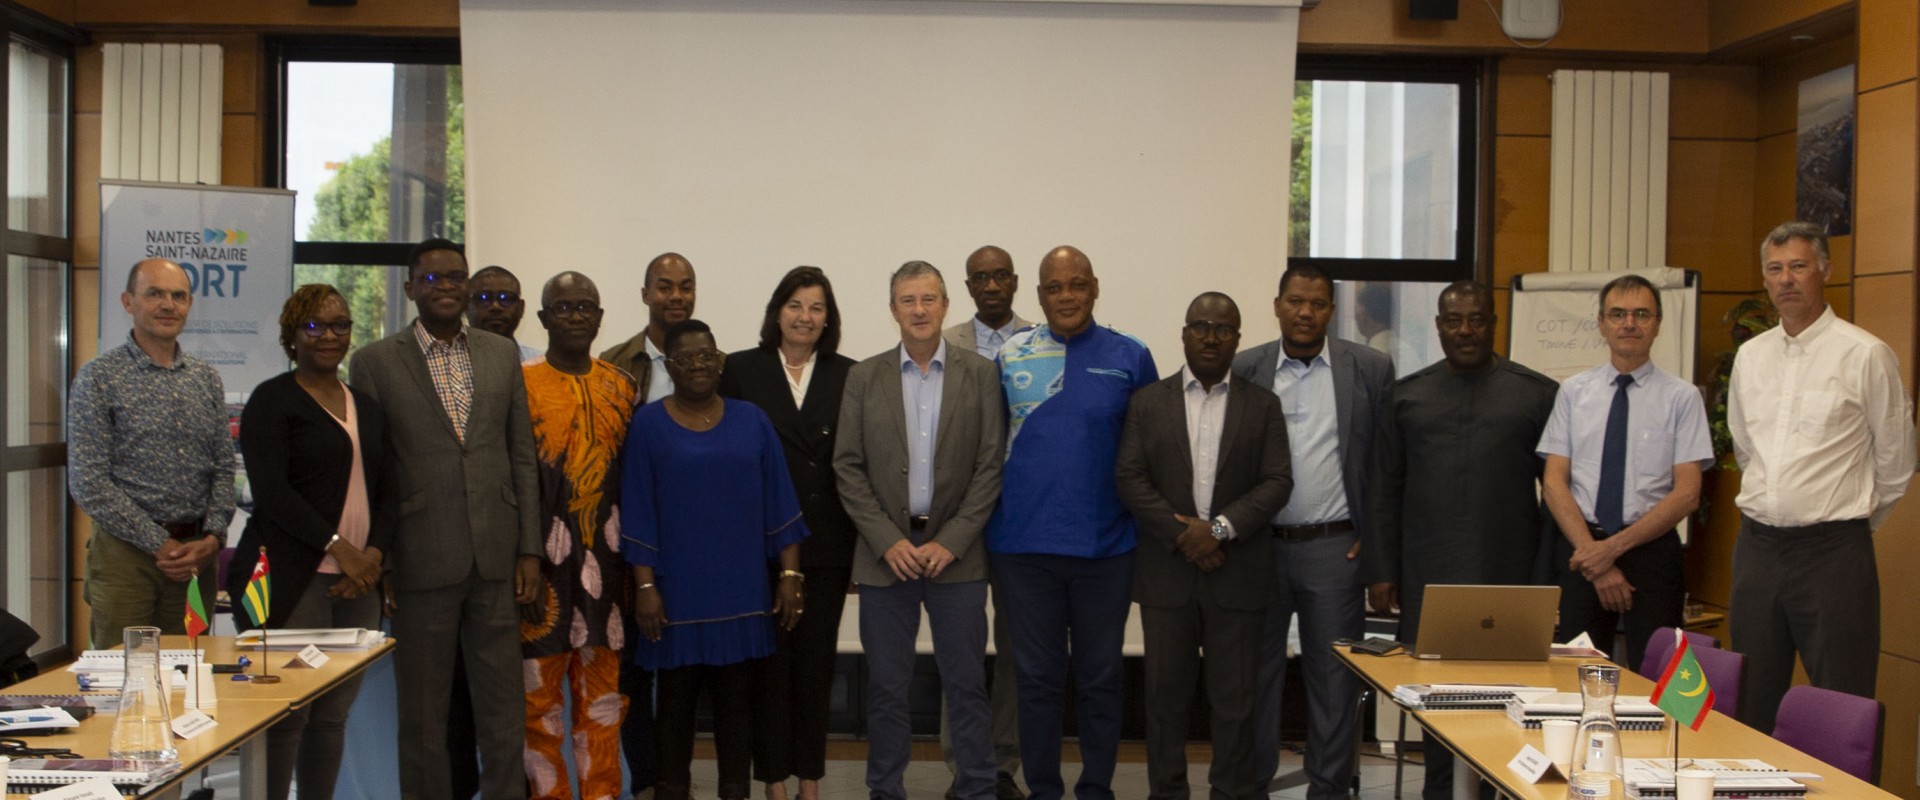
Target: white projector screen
<point>753,136</point>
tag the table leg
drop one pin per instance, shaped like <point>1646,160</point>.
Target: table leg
<point>253,767</point>
<point>1466,782</point>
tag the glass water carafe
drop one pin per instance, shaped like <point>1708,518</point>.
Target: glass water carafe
<point>1597,760</point>
<point>142,730</point>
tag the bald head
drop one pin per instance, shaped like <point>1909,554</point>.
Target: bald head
<point>1068,290</point>
<point>1065,257</point>
<point>989,258</point>
<point>148,268</point>
<point>668,293</point>
<point>159,294</point>
<point>992,284</point>
<point>572,284</point>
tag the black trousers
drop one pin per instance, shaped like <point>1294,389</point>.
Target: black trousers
<point>794,687</point>
<point>636,729</point>
<point>463,753</point>
<point>1814,590</point>
<point>730,691</point>
<point>1657,572</point>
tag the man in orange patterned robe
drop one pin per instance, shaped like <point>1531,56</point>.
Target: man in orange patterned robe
<point>581,407</point>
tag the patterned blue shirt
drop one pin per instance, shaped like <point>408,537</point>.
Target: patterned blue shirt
<point>1066,403</point>
<point>149,445</point>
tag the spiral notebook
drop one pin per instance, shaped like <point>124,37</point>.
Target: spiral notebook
<point>1732,778</point>
<point>35,775</point>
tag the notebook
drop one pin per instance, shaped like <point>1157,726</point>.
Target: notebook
<point>1487,623</point>
<point>35,775</point>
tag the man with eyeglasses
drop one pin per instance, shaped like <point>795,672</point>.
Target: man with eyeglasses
<point>1625,448</point>
<point>668,291</point>
<point>1452,489</point>
<point>992,284</point>
<point>1329,390</point>
<point>1202,575</point>
<point>573,635</point>
<point>151,463</point>
<point>1061,541</point>
<point>456,403</point>
<point>494,303</point>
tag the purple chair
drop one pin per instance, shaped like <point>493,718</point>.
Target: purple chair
<point>1725,670</point>
<point>1838,728</point>
<point>1660,648</point>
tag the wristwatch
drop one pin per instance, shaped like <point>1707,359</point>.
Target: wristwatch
<point>1220,529</point>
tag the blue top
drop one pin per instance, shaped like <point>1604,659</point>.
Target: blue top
<point>1066,404</point>
<point>920,399</point>
<point>1313,438</point>
<point>707,510</point>
<point>1666,425</point>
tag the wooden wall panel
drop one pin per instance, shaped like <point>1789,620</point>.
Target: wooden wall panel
<point>1896,549</point>
<point>1883,305</point>
<point>1841,298</point>
<point>1780,78</point>
<point>1884,180</point>
<point>1710,547</point>
<point>1840,255</point>
<point>1621,26</point>
<point>86,195</point>
<point>1520,193</point>
<point>1709,209</point>
<point>422,16</point>
<point>1736,21</point>
<point>1900,691</point>
<point>1888,51</point>
<point>59,10</point>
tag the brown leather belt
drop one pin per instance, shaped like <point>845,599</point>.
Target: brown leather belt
<point>1307,533</point>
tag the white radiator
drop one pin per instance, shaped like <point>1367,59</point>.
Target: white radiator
<point>1609,205</point>
<point>160,113</point>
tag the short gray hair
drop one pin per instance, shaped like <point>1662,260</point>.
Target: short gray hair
<point>1815,235</point>
<point>914,269</point>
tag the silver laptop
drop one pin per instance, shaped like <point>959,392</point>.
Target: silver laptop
<point>1487,623</point>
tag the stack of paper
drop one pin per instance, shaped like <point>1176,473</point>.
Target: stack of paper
<point>46,718</point>
<point>338,639</point>
<point>1732,778</point>
<point>106,670</point>
<point>34,775</point>
<point>1633,712</point>
<point>1459,696</point>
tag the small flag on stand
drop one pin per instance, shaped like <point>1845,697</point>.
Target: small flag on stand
<point>196,608</point>
<point>255,598</point>
<point>1683,692</point>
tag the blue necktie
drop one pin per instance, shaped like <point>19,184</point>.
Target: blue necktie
<point>1611,496</point>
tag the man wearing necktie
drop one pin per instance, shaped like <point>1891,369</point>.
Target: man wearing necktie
<point>1624,448</point>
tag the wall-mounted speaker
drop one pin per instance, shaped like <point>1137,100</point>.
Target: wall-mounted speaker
<point>1433,9</point>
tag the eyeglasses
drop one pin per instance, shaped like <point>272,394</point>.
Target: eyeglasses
<point>584,308</point>
<point>504,298</point>
<point>1640,315</point>
<point>1002,277</point>
<point>341,328</point>
<point>445,278</point>
<point>1202,329</point>
<point>704,358</point>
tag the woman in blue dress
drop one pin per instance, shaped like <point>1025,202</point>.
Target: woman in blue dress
<point>705,503</point>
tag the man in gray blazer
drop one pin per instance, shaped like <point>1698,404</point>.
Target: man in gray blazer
<point>918,463</point>
<point>1203,465</point>
<point>468,548</point>
<point>992,283</point>
<point>1329,389</point>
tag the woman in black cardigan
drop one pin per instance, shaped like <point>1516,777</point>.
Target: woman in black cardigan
<point>796,376</point>
<point>314,453</point>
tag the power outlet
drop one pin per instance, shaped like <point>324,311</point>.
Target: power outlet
<point>1530,19</point>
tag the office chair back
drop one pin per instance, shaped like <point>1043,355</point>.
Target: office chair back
<point>1838,728</point>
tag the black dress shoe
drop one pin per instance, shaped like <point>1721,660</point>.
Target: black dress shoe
<point>1006,789</point>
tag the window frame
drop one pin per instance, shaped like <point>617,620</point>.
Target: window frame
<point>1467,74</point>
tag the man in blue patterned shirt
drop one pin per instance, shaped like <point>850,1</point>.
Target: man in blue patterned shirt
<point>151,462</point>
<point>1061,542</point>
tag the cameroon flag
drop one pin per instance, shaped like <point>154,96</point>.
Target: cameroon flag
<point>196,608</point>
<point>255,599</point>
<point>1683,692</point>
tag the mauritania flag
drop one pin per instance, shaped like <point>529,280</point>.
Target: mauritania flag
<point>1683,692</point>
<point>196,608</point>
<point>255,600</point>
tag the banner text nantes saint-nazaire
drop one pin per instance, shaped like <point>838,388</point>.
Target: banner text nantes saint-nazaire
<point>236,245</point>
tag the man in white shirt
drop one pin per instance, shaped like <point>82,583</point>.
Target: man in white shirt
<point>1823,431</point>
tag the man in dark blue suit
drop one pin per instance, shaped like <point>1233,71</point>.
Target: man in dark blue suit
<point>1329,390</point>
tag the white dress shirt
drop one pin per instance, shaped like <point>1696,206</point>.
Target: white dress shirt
<point>1206,416</point>
<point>1822,427</point>
<point>659,383</point>
<point>799,387</point>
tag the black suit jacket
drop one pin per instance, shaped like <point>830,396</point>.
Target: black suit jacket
<point>1254,476</point>
<point>807,434</point>
<point>299,462</point>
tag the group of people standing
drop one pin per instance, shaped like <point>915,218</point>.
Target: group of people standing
<point>627,533</point>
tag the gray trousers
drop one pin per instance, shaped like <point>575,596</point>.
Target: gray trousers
<point>308,742</point>
<point>1315,580</point>
<point>1814,590</point>
<point>477,622</point>
<point>1003,693</point>
<point>889,625</point>
<point>1174,639</point>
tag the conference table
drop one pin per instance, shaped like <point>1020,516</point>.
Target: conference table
<point>1485,741</point>
<point>246,709</point>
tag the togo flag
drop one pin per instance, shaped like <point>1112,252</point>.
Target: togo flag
<point>1683,692</point>
<point>196,608</point>
<point>255,600</point>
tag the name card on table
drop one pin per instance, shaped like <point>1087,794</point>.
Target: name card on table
<point>309,656</point>
<point>90,789</point>
<point>191,724</point>
<point>1531,764</point>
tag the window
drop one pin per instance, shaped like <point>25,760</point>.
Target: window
<point>35,235</point>
<point>371,136</point>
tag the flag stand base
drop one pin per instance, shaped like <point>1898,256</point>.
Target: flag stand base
<point>264,679</point>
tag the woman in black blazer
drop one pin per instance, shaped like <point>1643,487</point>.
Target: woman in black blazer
<point>796,376</point>
<point>314,453</point>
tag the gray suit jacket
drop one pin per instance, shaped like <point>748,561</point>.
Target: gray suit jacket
<point>1252,479</point>
<point>463,506</point>
<point>1361,378</point>
<point>961,335</point>
<point>870,463</point>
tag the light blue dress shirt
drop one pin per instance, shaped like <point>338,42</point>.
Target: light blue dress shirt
<point>1666,425</point>
<point>659,383</point>
<point>920,398</point>
<point>987,341</point>
<point>1313,439</point>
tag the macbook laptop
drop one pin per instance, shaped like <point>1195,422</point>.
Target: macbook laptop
<point>1487,623</point>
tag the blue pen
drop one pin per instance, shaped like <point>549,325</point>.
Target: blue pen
<point>37,718</point>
